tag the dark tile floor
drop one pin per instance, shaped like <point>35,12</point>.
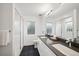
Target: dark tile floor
<point>29,51</point>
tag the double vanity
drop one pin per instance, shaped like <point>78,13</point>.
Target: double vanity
<point>50,46</point>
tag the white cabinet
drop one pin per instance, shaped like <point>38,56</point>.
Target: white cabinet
<point>44,50</point>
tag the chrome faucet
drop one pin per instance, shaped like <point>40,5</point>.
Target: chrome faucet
<point>69,42</point>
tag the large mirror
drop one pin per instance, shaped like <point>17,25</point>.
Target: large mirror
<point>68,28</point>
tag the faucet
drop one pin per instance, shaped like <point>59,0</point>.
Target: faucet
<point>69,42</point>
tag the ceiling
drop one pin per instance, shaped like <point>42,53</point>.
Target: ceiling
<point>65,9</point>
<point>35,9</point>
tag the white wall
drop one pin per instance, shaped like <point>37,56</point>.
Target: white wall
<point>58,29</point>
<point>28,39</point>
<point>40,28</point>
<point>61,19</point>
<point>76,17</point>
<point>6,24</point>
<point>11,20</point>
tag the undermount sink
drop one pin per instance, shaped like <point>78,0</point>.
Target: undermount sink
<point>50,42</point>
<point>65,50</point>
<point>43,37</point>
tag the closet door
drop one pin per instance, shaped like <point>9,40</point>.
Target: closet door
<point>44,50</point>
<point>17,33</point>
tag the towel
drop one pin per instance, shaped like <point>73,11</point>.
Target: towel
<point>4,37</point>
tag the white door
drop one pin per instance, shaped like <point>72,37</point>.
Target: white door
<point>17,34</point>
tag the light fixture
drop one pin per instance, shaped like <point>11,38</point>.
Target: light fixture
<point>52,11</point>
<point>48,10</point>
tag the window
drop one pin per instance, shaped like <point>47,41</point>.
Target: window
<point>31,28</point>
<point>49,28</point>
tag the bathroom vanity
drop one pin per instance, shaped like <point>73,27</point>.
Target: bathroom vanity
<point>43,49</point>
<point>58,47</point>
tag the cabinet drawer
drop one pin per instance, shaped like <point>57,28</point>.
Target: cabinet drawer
<point>44,50</point>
